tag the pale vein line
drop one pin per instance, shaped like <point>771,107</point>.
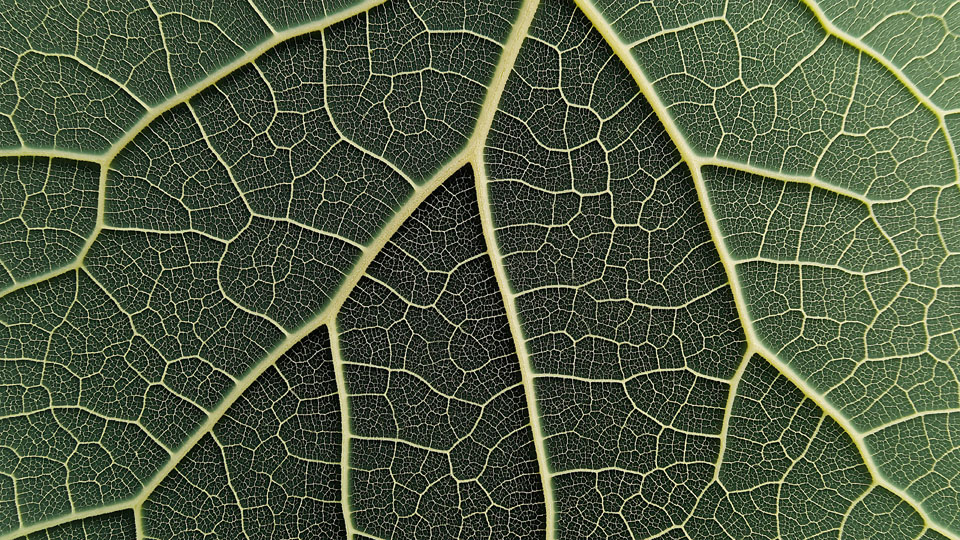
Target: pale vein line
<point>262,17</point>
<point>138,521</point>
<point>95,71</point>
<point>528,9</point>
<point>344,428</point>
<point>907,418</point>
<point>728,414</point>
<point>512,48</point>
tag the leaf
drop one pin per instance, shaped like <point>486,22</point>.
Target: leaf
<point>523,269</point>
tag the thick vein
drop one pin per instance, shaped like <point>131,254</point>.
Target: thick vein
<point>512,49</point>
<point>728,413</point>
<point>344,428</point>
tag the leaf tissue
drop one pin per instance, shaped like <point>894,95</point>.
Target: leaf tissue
<point>489,269</point>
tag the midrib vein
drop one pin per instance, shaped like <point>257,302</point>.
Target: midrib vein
<point>519,343</point>
<point>344,428</point>
<point>512,49</point>
<point>695,163</point>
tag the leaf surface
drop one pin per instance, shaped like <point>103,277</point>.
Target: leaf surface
<point>411,269</point>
